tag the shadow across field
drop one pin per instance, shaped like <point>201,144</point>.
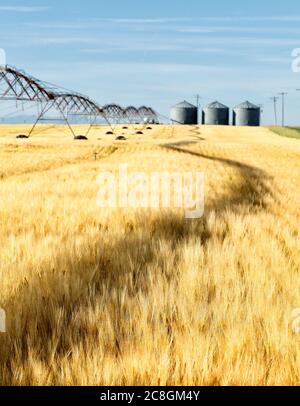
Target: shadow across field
<point>252,190</point>
<point>42,312</point>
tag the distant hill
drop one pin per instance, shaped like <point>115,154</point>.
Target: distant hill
<point>22,119</point>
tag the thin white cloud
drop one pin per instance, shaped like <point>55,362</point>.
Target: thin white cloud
<point>165,20</point>
<point>156,71</point>
<point>136,47</point>
<point>203,25</point>
<point>235,29</point>
<point>182,44</point>
<point>23,9</point>
<point>63,40</point>
<point>274,60</point>
<point>145,20</point>
<point>294,18</point>
<point>58,25</point>
<point>240,41</point>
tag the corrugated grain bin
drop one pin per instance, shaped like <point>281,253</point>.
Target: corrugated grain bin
<point>215,114</point>
<point>246,114</point>
<point>184,113</point>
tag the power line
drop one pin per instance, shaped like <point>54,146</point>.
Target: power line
<point>275,100</point>
<point>283,94</point>
<point>198,97</point>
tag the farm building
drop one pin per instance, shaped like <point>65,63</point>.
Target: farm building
<point>184,113</point>
<point>246,114</point>
<point>215,114</point>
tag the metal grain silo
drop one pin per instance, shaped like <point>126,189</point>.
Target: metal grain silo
<point>215,114</point>
<point>246,114</point>
<point>184,113</point>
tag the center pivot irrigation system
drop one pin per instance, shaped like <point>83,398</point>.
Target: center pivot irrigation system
<point>21,88</point>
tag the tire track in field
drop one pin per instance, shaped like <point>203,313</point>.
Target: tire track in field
<point>196,132</point>
<point>257,186</point>
<point>254,188</point>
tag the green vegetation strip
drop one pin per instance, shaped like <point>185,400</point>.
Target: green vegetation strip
<point>290,132</point>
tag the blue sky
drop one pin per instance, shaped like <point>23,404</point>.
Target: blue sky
<point>159,52</point>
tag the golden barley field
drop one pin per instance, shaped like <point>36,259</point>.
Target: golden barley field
<point>142,296</point>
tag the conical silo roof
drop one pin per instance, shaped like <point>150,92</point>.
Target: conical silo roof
<point>247,106</point>
<point>216,105</point>
<point>185,105</point>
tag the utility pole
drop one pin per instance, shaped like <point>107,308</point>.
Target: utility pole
<point>198,104</point>
<point>274,100</point>
<point>198,100</point>
<point>283,94</point>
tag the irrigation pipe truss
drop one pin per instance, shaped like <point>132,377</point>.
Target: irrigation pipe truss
<point>18,86</point>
